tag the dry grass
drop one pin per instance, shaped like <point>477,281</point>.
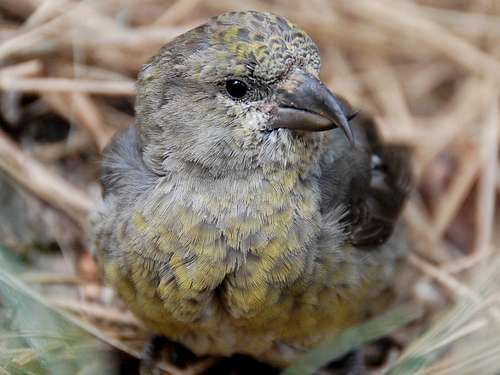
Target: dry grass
<point>428,70</point>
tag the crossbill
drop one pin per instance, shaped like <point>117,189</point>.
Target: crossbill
<point>243,212</point>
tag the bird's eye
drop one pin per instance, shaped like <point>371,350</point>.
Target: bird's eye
<point>236,88</point>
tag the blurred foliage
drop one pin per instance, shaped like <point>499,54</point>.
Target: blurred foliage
<point>476,350</point>
<point>38,339</point>
<point>428,70</point>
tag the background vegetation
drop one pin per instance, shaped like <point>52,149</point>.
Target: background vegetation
<point>428,70</point>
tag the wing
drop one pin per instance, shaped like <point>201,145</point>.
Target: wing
<point>122,168</point>
<point>371,181</point>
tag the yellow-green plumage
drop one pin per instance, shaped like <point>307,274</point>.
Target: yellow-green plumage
<point>214,230</point>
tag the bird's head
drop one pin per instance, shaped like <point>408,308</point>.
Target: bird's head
<point>238,93</point>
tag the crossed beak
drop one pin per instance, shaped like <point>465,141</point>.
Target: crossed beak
<point>305,103</point>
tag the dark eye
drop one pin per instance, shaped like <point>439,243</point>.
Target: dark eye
<point>236,88</point>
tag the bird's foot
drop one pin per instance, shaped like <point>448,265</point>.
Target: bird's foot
<point>350,364</point>
<point>159,347</point>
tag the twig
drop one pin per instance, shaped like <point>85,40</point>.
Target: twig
<point>428,244</point>
<point>45,11</point>
<point>29,38</point>
<point>456,193</point>
<point>437,133</point>
<point>387,91</point>
<point>77,142</point>
<point>486,191</point>
<point>466,330</point>
<point>423,79</point>
<point>24,69</point>
<point>456,19</point>
<point>455,286</point>
<point>90,117</point>
<point>79,108</point>
<point>466,262</point>
<point>35,85</point>
<point>433,35</point>
<point>44,183</point>
<point>97,311</point>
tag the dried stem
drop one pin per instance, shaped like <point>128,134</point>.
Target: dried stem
<point>44,183</point>
<point>48,85</point>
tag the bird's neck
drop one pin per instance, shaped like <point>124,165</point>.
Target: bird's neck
<point>249,186</point>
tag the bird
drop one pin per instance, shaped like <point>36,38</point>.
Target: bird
<point>248,210</point>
